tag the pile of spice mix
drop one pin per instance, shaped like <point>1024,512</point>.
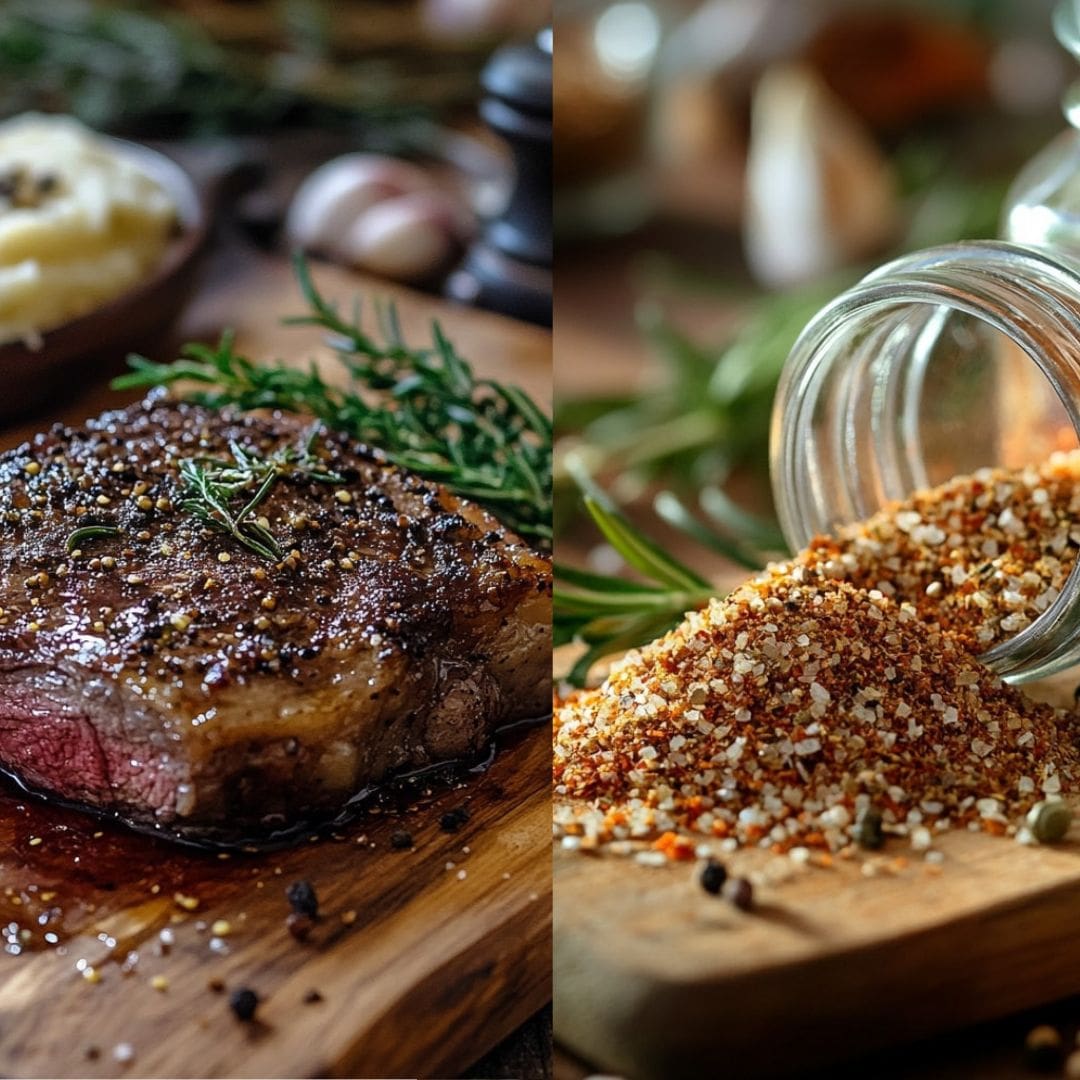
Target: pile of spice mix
<point>838,697</point>
<point>981,556</point>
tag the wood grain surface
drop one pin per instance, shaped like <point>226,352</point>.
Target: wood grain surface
<point>423,959</point>
<point>656,978</point>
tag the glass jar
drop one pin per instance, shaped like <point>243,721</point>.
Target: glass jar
<point>936,364</point>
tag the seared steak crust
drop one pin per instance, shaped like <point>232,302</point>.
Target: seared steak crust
<point>176,677</point>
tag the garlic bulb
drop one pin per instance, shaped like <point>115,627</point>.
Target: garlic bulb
<point>337,193</point>
<point>407,238</point>
<point>378,214</point>
<point>819,192</point>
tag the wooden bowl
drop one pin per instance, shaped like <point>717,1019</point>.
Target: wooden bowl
<point>82,348</point>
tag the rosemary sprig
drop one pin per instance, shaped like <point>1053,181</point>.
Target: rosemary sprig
<point>213,488</point>
<point>423,407</point>
<point>612,614</point>
<point>89,532</point>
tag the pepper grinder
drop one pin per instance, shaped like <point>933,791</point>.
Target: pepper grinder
<point>508,268</point>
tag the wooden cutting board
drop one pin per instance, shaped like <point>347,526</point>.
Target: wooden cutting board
<point>658,979</point>
<point>422,959</point>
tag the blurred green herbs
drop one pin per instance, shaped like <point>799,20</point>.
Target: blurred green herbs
<point>707,415</point>
<point>612,614</point>
<point>134,68</point>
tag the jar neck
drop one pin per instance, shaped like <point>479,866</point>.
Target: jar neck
<point>864,402</point>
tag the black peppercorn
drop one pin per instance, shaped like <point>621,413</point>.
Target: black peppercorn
<point>243,1003</point>
<point>453,820</point>
<point>312,997</point>
<point>401,840</point>
<point>302,898</point>
<point>713,876</point>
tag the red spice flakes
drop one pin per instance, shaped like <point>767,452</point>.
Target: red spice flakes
<point>676,847</point>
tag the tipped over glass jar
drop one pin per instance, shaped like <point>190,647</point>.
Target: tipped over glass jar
<point>943,362</point>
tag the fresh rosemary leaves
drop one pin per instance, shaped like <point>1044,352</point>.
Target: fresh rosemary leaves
<point>613,614</point>
<point>224,495</point>
<point>424,408</point>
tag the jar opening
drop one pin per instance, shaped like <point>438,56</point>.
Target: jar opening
<point>937,365</point>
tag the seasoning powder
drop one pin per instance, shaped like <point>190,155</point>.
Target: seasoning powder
<point>781,715</point>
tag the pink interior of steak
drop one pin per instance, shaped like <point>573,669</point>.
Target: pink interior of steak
<point>51,744</point>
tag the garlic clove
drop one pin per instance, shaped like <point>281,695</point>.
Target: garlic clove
<point>819,192</point>
<point>408,238</point>
<point>331,199</point>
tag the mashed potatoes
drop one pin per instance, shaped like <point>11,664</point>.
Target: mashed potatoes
<point>79,224</point>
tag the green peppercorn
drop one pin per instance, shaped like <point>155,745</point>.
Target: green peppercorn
<point>1049,820</point>
<point>868,832</point>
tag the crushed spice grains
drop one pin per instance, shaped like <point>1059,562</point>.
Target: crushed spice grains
<point>981,555</point>
<point>761,721</point>
<point>777,716</point>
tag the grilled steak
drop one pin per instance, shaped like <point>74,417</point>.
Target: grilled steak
<point>166,672</point>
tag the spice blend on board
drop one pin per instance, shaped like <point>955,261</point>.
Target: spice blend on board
<point>841,688</point>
